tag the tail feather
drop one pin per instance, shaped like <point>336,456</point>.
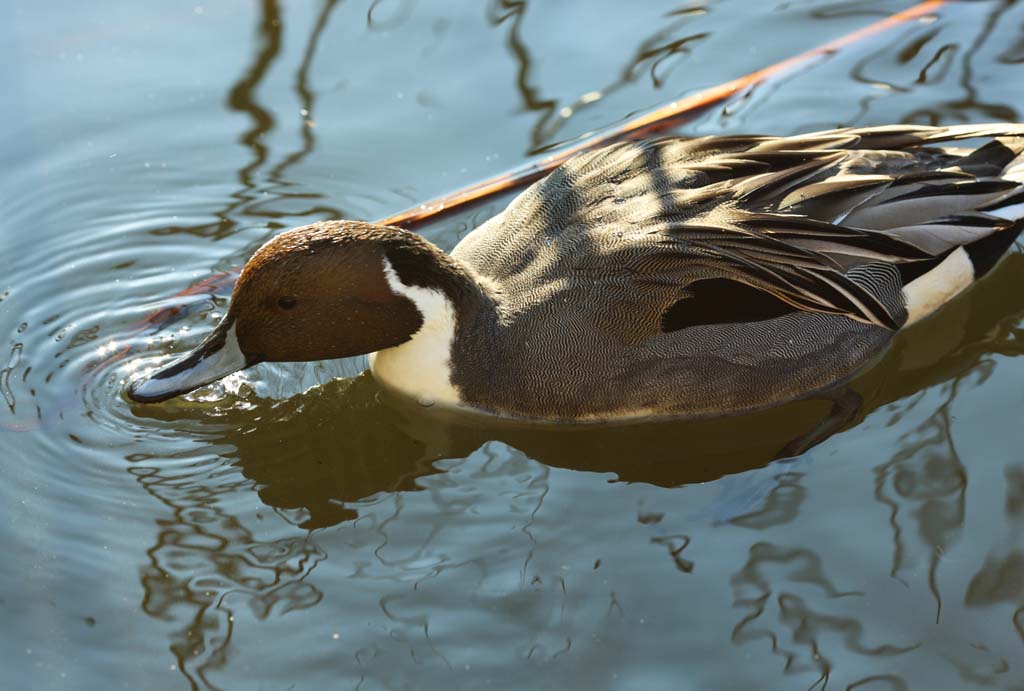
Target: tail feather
<point>944,234</point>
<point>1009,206</point>
<point>992,159</point>
<point>987,251</point>
<point>1015,170</point>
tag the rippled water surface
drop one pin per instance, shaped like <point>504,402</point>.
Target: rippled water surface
<point>291,529</point>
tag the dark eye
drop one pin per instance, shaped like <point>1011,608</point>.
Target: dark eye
<point>286,302</point>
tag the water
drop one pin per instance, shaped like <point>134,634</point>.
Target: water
<point>292,530</point>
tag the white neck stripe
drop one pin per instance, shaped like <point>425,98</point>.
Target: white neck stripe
<point>420,367</point>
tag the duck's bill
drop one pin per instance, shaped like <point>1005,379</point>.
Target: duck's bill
<point>215,358</point>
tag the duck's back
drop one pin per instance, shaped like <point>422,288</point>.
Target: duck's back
<point>701,276</point>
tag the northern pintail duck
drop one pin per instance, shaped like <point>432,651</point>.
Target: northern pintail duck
<point>665,278</point>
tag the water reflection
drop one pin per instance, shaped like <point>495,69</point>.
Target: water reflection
<point>204,555</point>
<point>319,457</point>
<point>925,484</point>
<point>970,107</point>
<point>393,14</point>
<point>788,595</point>
<point>657,55</point>
<point>1000,580</point>
<point>255,198</point>
<point>787,598</point>
<point>305,94</point>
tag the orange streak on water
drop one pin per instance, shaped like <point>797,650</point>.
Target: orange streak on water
<point>661,118</point>
<point>210,285</point>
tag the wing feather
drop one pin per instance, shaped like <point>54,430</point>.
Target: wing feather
<point>826,222</point>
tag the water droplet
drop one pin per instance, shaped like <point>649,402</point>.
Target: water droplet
<point>426,401</point>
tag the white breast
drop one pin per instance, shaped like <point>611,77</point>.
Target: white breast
<point>421,367</point>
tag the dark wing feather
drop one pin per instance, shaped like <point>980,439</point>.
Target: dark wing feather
<point>788,257</point>
<point>825,222</point>
<point>795,217</point>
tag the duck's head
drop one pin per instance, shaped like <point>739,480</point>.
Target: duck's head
<point>317,292</point>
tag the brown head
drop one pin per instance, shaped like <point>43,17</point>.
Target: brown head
<point>312,293</point>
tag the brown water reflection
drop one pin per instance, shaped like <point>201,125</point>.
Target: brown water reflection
<point>260,190</point>
<point>204,554</point>
<point>316,457</point>
<point>1001,578</point>
<point>795,602</point>
<point>661,46</point>
<point>923,485</point>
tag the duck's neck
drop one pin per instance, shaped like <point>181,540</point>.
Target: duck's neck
<point>446,295</point>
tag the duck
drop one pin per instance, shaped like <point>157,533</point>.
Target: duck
<point>664,278</point>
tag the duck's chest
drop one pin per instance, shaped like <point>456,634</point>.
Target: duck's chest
<point>421,368</point>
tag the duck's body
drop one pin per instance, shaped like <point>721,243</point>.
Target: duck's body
<point>675,277</point>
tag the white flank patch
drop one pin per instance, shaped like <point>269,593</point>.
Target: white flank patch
<point>927,293</point>
<point>421,367</point>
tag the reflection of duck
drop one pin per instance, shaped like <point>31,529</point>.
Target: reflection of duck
<point>666,278</point>
<point>347,440</point>
<point>340,443</point>
<point>320,451</point>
